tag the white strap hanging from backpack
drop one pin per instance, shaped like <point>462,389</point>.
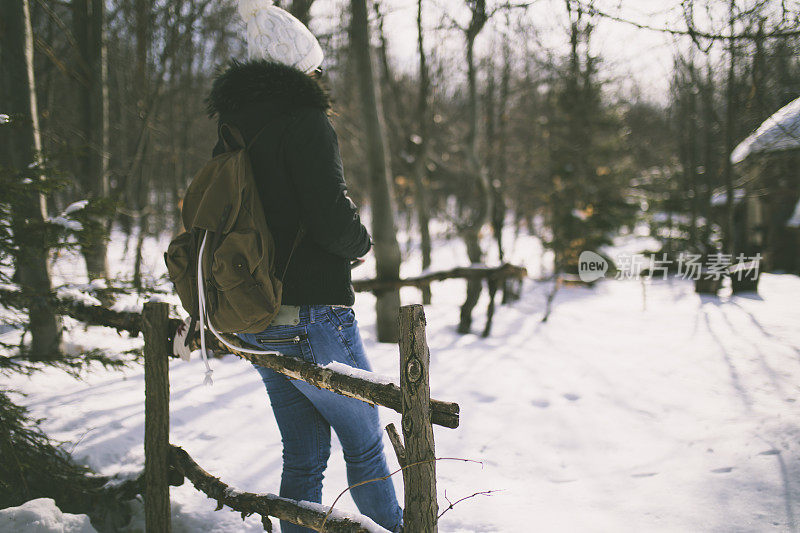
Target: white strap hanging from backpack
<point>204,319</point>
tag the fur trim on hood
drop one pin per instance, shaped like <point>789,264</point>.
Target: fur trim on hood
<point>256,81</point>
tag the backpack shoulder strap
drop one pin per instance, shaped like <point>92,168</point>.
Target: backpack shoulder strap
<point>232,138</point>
<point>301,230</point>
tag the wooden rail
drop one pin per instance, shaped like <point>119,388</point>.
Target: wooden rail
<point>386,394</point>
<point>265,505</point>
<point>505,271</point>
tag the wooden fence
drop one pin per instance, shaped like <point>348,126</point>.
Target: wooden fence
<point>415,451</point>
<point>166,464</point>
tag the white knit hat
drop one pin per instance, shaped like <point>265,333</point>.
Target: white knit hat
<point>275,35</point>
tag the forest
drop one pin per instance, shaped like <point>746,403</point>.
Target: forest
<point>474,134</point>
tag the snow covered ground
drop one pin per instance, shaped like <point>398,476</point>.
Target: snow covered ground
<point>681,417</point>
<point>43,516</point>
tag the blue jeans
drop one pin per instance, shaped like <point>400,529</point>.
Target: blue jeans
<point>306,414</point>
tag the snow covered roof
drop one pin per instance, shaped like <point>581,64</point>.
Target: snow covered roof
<point>781,131</point>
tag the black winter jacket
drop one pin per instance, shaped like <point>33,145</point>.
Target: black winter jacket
<point>298,174</point>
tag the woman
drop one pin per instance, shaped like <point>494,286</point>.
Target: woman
<point>277,102</point>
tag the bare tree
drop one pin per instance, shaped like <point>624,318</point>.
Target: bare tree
<point>730,124</point>
<point>478,210</point>
<point>420,171</point>
<point>20,146</point>
<point>89,31</point>
<point>384,234</point>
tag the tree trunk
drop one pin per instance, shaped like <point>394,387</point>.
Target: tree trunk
<point>730,117</point>
<point>420,162</point>
<point>500,179</point>
<point>302,10</point>
<point>384,234</point>
<point>20,146</point>
<point>89,21</point>
<point>474,286</point>
<point>692,156</point>
<point>479,210</point>
<point>709,158</point>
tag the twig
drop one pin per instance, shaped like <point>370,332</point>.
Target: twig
<point>691,31</point>
<point>322,527</point>
<point>397,444</point>
<point>453,504</point>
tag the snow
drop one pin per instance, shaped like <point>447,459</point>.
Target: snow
<point>76,206</point>
<point>683,417</point>
<point>719,198</point>
<point>365,522</point>
<point>4,119</point>
<point>362,374</point>
<point>73,293</point>
<point>64,222</point>
<point>98,284</point>
<point>779,132</point>
<point>42,516</point>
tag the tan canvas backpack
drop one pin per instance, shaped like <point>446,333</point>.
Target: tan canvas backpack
<point>223,266</point>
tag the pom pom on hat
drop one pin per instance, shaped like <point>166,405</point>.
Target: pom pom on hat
<point>275,35</point>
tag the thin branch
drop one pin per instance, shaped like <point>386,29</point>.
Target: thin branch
<point>453,504</point>
<point>690,31</point>
<point>397,444</point>
<point>47,50</point>
<point>322,528</point>
<point>63,27</point>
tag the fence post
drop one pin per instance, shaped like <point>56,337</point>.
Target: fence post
<point>421,508</point>
<point>155,319</point>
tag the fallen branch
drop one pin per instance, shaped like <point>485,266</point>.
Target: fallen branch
<point>247,503</point>
<point>97,315</point>
<point>502,272</point>
<point>129,487</point>
<point>94,315</point>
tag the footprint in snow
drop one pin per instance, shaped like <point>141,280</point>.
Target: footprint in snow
<point>645,474</point>
<point>770,452</point>
<point>483,398</point>
<point>542,404</point>
<point>572,397</point>
<point>723,470</point>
